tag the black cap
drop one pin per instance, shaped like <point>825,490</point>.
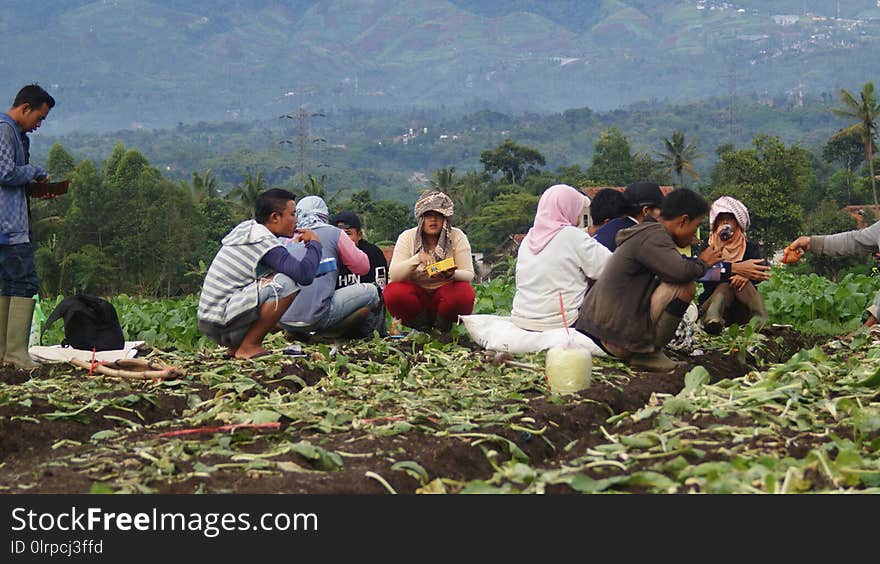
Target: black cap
<point>644,194</point>
<point>344,220</point>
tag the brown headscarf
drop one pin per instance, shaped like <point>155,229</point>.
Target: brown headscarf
<point>442,204</point>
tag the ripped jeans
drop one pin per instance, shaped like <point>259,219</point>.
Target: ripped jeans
<point>274,288</point>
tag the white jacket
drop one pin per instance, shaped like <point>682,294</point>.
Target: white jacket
<point>565,265</point>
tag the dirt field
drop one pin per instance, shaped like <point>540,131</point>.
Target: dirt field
<point>51,425</point>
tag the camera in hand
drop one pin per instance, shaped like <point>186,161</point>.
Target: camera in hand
<point>726,232</point>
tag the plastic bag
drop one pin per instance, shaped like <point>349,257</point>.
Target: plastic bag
<point>498,333</point>
<point>36,323</point>
<point>569,369</point>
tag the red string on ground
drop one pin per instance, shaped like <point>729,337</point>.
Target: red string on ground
<point>219,429</point>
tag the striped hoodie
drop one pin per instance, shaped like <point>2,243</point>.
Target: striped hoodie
<point>231,284</point>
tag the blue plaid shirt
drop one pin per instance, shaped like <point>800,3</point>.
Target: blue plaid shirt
<point>15,174</point>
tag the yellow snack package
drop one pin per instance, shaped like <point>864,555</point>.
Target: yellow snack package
<point>440,266</point>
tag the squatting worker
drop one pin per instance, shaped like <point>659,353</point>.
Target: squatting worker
<point>413,296</point>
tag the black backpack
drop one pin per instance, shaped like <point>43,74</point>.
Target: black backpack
<point>89,322</point>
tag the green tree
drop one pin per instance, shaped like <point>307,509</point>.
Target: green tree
<point>59,163</point>
<point>469,195</point>
<point>443,179</point>
<point>572,175</point>
<point>128,230</point>
<point>507,214</point>
<point>646,168</point>
<point>770,179</point>
<point>678,157</point>
<point>382,221</point>
<point>864,110</point>
<point>218,221</point>
<point>245,195</point>
<point>612,159</point>
<point>514,161</point>
<point>204,187</point>
<point>828,218</point>
<point>848,151</point>
<point>112,162</point>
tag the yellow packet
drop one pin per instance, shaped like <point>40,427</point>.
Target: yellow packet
<point>440,266</point>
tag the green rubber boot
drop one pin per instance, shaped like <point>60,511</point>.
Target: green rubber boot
<point>18,332</point>
<point>656,361</point>
<point>753,300</point>
<point>664,331</point>
<point>4,319</point>
<point>713,318</point>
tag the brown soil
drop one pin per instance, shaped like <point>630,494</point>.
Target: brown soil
<point>27,453</point>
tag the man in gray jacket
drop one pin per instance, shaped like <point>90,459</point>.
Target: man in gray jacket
<point>637,304</point>
<point>848,243</point>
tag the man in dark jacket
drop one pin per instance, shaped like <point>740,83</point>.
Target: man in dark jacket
<point>643,200</point>
<point>378,274</point>
<point>637,304</point>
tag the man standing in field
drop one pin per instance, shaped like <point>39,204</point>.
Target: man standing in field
<point>18,272</point>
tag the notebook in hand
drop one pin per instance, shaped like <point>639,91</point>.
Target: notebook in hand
<point>41,189</point>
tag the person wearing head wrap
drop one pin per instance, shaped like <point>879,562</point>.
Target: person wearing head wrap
<point>733,297</point>
<point>415,297</point>
<point>555,244</point>
<point>320,307</point>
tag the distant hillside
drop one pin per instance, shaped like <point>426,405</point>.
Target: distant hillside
<point>132,63</point>
<point>393,153</point>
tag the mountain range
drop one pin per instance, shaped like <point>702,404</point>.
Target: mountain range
<point>119,64</point>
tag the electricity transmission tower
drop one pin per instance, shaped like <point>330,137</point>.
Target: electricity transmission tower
<point>304,143</point>
<point>729,83</point>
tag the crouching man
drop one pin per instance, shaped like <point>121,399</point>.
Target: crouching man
<point>253,279</point>
<point>637,304</point>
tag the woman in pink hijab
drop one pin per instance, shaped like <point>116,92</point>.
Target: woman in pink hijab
<point>555,258</point>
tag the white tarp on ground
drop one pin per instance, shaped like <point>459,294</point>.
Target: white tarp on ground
<point>497,333</point>
<point>57,353</point>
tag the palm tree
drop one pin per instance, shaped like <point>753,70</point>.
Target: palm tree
<point>204,187</point>
<point>865,110</point>
<point>444,179</point>
<point>679,156</point>
<point>314,186</point>
<point>469,195</point>
<point>246,194</point>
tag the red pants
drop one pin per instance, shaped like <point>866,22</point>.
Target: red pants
<point>417,307</point>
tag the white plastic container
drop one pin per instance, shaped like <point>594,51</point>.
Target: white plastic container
<point>568,370</point>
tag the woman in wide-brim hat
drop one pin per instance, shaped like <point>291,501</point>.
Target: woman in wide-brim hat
<point>414,297</point>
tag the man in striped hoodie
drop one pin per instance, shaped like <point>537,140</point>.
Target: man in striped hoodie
<point>253,279</point>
